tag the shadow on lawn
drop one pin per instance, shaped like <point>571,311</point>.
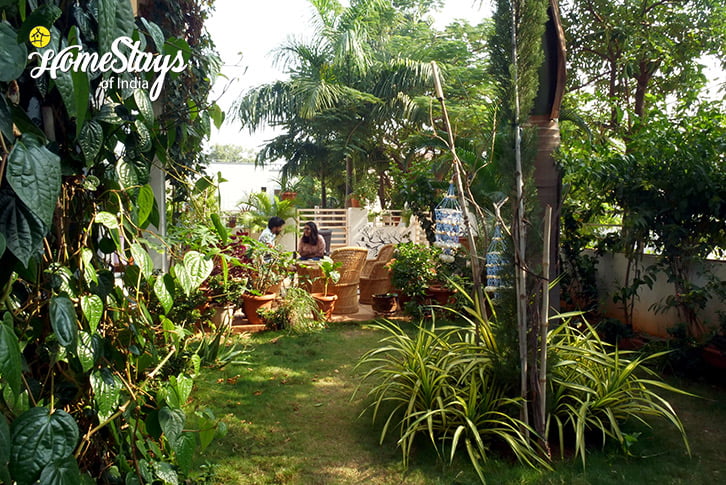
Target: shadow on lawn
<point>291,420</point>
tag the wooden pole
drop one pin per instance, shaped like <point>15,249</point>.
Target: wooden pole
<point>544,322</point>
<point>473,256</point>
<point>519,235</point>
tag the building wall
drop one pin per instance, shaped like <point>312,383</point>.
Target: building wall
<point>611,275</point>
<point>243,179</point>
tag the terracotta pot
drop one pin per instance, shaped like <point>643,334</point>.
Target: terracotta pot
<point>352,201</point>
<point>714,357</point>
<point>251,303</point>
<point>440,295</point>
<point>384,303</point>
<point>287,195</point>
<point>326,303</point>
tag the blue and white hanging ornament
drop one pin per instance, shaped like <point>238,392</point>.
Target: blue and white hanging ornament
<point>449,225</point>
<point>496,261</point>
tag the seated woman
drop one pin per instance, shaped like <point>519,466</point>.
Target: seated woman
<point>311,244</point>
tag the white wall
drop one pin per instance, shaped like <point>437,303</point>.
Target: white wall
<point>610,277</point>
<point>242,180</point>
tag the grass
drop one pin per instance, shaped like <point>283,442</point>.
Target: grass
<point>291,420</point>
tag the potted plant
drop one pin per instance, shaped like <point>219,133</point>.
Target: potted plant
<point>329,274</point>
<point>266,268</point>
<point>297,311</point>
<point>413,269</point>
<point>224,296</point>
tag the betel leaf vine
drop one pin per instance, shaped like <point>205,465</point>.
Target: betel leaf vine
<point>92,346</point>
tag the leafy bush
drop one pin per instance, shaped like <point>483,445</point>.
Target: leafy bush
<point>296,312</point>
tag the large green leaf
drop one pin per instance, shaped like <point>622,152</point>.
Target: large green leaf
<point>45,15</point>
<point>145,203</point>
<point>143,103</point>
<point>166,473</point>
<point>6,119</point>
<point>198,267</point>
<point>178,391</point>
<point>34,173</point>
<point>23,230</point>
<point>172,423</point>
<point>13,55</point>
<point>108,114</point>
<point>89,272</point>
<point>128,176</point>
<point>61,472</point>
<point>143,136</point>
<point>155,33</point>
<point>163,289</point>
<point>90,141</point>
<point>142,259</point>
<point>106,16</point>
<point>107,219</point>
<point>106,393</point>
<point>92,307</point>
<point>125,23</point>
<point>10,359</point>
<point>221,230</point>
<point>39,438</point>
<point>88,349</point>
<point>81,91</point>
<point>4,450</point>
<point>63,320</point>
<point>184,450</point>
<point>217,115</point>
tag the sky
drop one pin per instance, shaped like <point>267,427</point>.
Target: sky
<point>247,31</point>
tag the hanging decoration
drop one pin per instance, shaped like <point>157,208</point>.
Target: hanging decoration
<point>496,261</point>
<point>449,225</point>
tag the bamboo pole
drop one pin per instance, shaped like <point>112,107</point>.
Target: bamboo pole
<point>544,321</point>
<point>519,234</point>
<point>473,256</point>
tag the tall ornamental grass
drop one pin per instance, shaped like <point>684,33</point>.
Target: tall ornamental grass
<point>450,385</point>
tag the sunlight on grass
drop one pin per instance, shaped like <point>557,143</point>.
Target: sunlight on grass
<point>291,420</point>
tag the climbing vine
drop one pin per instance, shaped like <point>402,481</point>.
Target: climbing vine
<point>94,385</point>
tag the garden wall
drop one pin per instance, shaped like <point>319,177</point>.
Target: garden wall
<point>611,275</point>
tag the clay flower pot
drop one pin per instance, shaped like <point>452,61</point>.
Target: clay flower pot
<point>251,303</point>
<point>439,295</point>
<point>384,303</point>
<point>326,303</point>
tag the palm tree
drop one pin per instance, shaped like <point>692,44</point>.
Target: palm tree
<point>344,90</point>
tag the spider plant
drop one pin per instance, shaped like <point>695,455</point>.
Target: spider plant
<point>596,388</point>
<point>441,384</point>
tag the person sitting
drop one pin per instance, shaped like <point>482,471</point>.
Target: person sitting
<point>274,227</point>
<point>311,244</point>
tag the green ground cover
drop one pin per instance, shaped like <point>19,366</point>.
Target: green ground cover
<point>291,420</point>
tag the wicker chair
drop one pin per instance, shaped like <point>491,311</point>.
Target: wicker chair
<point>353,259</point>
<point>375,277</point>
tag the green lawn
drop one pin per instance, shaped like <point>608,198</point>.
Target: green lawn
<point>291,420</point>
